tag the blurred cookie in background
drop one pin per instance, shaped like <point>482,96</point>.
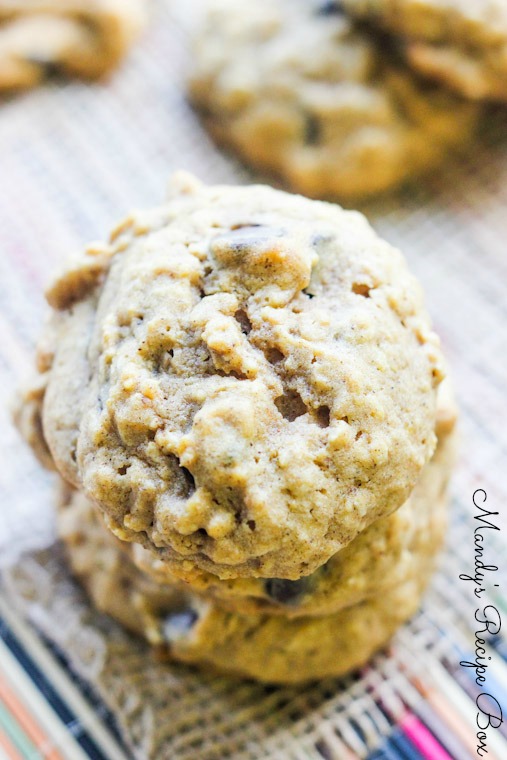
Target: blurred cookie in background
<point>302,94</point>
<point>83,38</point>
<point>460,43</point>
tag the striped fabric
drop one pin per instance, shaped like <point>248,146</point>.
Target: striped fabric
<point>44,712</point>
<point>73,159</point>
<point>414,702</point>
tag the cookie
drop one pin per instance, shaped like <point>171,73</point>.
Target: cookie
<point>300,93</point>
<point>242,380</point>
<point>460,43</point>
<point>273,649</point>
<point>26,413</point>
<point>187,628</point>
<point>103,565</point>
<point>381,557</point>
<point>378,558</point>
<point>84,38</point>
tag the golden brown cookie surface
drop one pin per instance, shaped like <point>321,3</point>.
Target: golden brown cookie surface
<point>386,554</point>
<point>242,379</point>
<point>103,566</point>
<point>189,629</point>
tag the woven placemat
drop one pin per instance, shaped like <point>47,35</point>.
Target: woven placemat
<point>73,159</point>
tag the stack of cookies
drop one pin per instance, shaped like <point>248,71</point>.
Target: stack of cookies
<point>347,99</point>
<point>243,397</point>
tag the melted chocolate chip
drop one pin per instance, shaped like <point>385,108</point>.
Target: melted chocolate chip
<point>51,68</point>
<point>178,624</point>
<point>312,130</point>
<point>284,591</point>
<point>246,236</point>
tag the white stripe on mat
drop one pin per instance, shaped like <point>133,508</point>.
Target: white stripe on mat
<point>18,679</point>
<point>67,690</point>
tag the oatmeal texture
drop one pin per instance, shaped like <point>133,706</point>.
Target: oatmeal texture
<point>302,94</point>
<point>84,38</point>
<point>184,627</point>
<point>241,380</point>
<point>102,564</point>
<point>461,43</point>
<point>384,555</point>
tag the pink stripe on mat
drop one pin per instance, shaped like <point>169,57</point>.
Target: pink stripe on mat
<point>423,739</point>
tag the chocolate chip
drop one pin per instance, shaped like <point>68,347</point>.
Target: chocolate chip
<point>245,237</point>
<point>50,67</point>
<point>329,8</point>
<point>284,591</point>
<point>312,130</point>
<point>178,624</point>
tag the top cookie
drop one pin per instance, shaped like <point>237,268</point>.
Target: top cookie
<point>83,38</point>
<point>301,93</point>
<point>461,43</point>
<point>242,379</point>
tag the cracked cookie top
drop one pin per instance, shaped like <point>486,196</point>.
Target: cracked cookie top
<point>241,379</point>
<point>388,553</point>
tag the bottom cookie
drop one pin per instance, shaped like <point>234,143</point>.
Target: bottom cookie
<point>187,628</point>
